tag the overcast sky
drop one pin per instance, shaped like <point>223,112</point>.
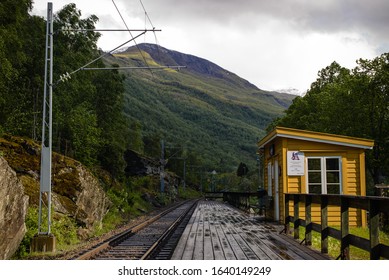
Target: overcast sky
<point>274,44</point>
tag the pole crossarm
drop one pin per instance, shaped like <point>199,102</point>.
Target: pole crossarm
<point>64,29</point>
<point>66,76</point>
<point>135,68</point>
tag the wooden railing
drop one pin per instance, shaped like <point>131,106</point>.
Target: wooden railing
<point>240,200</point>
<point>374,205</point>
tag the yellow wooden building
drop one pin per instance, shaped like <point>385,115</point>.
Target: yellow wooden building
<point>300,161</point>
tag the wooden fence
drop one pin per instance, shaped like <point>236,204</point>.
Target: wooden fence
<point>241,200</point>
<point>374,205</point>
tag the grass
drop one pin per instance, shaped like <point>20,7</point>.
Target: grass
<point>334,244</point>
<point>63,228</point>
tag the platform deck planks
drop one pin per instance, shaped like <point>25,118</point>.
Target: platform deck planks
<point>218,231</point>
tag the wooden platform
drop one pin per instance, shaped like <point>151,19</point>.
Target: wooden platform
<point>217,231</point>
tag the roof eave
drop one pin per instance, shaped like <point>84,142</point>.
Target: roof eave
<point>341,141</point>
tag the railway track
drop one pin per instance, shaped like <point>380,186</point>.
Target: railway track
<point>155,238</point>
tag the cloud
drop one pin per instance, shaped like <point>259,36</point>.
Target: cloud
<point>273,44</point>
<point>280,36</point>
<point>319,16</point>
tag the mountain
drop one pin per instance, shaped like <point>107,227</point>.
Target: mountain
<point>211,112</point>
<point>293,91</point>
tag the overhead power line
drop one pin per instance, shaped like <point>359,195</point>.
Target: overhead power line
<point>146,14</point>
<point>136,68</point>
<point>140,51</point>
<point>66,76</point>
<point>103,30</point>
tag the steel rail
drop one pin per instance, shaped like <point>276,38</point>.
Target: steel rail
<point>167,232</point>
<point>113,241</point>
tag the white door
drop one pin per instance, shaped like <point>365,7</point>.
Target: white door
<point>276,192</point>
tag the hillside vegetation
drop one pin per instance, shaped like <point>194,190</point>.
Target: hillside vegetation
<point>209,111</point>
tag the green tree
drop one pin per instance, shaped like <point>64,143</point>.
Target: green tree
<point>372,91</point>
<point>135,140</point>
<point>317,109</point>
<point>20,80</point>
<point>349,102</point>
<point>152,144</point>
<point>99,92</point>
<point>84,134</point>
<point>116,134</point>
<point>242,170</point>
<point>72,50</point>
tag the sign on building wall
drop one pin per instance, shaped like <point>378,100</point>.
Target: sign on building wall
<point>295,163</point>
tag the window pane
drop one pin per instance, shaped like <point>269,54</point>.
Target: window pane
<point>318,167</point>
<point>314,189</point>
<point>333,177</point>
<point>333,189</point>
<point>332,164</point>
<point>314,177</point>
<point>314,164</point>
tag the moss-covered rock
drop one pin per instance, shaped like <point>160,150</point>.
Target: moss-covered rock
<point>76,192</point>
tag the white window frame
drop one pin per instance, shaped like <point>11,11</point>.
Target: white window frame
<point>324,173</point>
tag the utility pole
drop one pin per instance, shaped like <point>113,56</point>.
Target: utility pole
<point>162,173</point>
<point>44,240</point>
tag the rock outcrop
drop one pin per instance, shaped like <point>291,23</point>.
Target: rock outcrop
<point>140,165</point>
<point>13,209</point>
<point>75,191</point>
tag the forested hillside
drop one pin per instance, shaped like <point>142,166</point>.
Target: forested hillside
<point>214,115</point>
